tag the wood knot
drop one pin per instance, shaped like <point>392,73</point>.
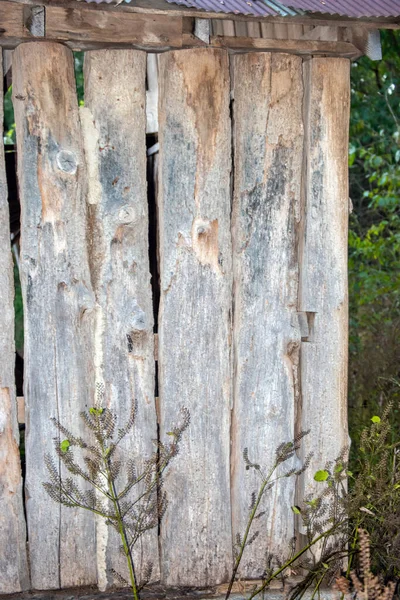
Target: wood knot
<point>66,161</point>
<point>205,242</point>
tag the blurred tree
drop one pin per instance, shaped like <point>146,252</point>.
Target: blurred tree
<point>374,241</point>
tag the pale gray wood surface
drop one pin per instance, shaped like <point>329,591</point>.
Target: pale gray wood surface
<point>114,126</point>
<point>268,140</point>
<point>13,560</point>
<point>323,256</point>
<point>195,312</point>
<point>58,299</point>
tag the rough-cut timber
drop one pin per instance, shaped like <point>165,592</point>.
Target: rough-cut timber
<point>313,47</point>
<point>86,25</point>
<point>268,134</point>
<point>195,319</point>
<point>13,560</point>
<point>323,270</point>
<point>58,300</point>
<point>114,125</point>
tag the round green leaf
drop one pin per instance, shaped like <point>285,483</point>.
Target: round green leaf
<point>64,446</point>
<point>376,419</point>
<point>321,476</point>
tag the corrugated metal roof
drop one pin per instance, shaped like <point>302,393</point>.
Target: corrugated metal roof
<point>259,8</point>
<point>349,8</point>
<point>274,8</point>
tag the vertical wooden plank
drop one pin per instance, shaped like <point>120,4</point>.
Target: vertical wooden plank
<point>268,141</point>
<point>13,559</point>
<point>195,321</point>
<point>253,29</point>
<point>228,27</point>
<point>114,126</point>
<point>240,28</point>
<point>58,299</point>
<point>323,290</point>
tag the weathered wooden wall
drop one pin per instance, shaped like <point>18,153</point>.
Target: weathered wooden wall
<point>13,558</point>
<point>252,320</point>
<point>58,298</point>
<point>323,263</point>
<point>195,312</point>
<point>114,126</point>
<point>268,136</point>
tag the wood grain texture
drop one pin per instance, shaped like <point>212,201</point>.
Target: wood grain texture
<point>58,300</point>
<point>314,47</point>
<point>114,125</point>
<point>323,290</point>
<point>195,319</point>
<point>268,141</point>
<point>119,28</point>
<point>13,559</point>
<point>12,20</point>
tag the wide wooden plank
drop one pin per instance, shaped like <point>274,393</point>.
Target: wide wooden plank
<point>13,559</point>
<point>58,299</point>
<point>314,47</point>
<point>323,290</point>
<point>85,25</point>
<point>195,311</point>
<point>268,134</point>
<point>114,126</point>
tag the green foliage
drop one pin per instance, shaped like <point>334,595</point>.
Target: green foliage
<point>127,493</point>
<point>375,492</point>
<point>9,121</point>
<point>374,238</point>
<point>321,475</point>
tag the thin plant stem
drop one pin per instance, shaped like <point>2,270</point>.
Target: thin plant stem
<point>246,533</point>
<point>289,562</point>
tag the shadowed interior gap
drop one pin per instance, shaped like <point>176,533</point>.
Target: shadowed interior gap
<point>10,153</point>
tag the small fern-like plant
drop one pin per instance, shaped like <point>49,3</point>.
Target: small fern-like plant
<point>131,502</point>
<point>268,478</point>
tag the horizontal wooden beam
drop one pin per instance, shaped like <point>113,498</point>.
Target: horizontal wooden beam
<point>161,7</point>
<point>85,29</point>
<point>308,47</point>
<point>85,25</point>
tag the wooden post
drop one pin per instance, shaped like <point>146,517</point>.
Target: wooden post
<point>195,312</point>
<point>323,290</point>
<point>114,126</point>
<point>58,299</point>
<point>13,560</point>
<point>268,134</point>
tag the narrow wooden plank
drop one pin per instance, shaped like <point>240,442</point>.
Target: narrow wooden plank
<point>87,26</point>
<point>315,47</point>
<point>195,322</point>
<point>253,29</point>
<point>114,126</point>
<point>228,28</point>
<point>281,31</point>
<point>58,299</point>
<point>323,291</point>
<point>240,28</point>
<point>13,559</point>
<point>268,141</point>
